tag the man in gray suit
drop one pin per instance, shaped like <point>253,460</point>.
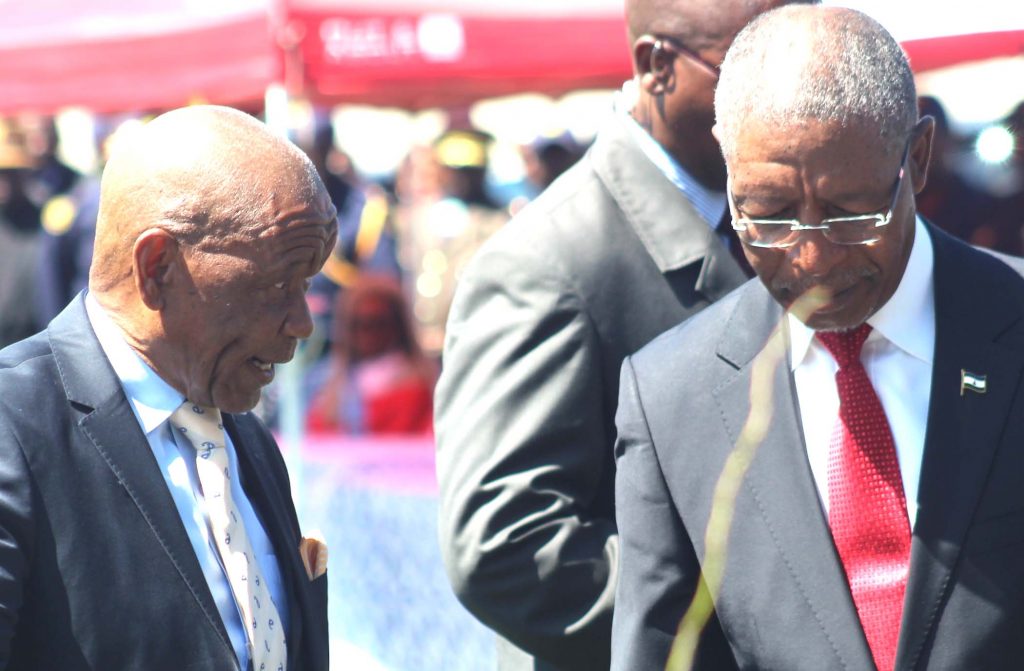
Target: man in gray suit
<point>621,247</point>
<point>134,535</point>
<point>870,383</point>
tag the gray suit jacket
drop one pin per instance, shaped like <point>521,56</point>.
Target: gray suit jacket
<point>609,256</point>
<point>785,603</point>
<point>96,569</point>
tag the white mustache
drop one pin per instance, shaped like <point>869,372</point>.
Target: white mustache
<point>832,285</point>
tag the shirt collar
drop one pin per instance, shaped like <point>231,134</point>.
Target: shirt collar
<point>709,204</point>
<point>907,319</point>
<point>152,399</point>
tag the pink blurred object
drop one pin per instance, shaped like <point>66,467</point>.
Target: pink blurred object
<point>399,465</point>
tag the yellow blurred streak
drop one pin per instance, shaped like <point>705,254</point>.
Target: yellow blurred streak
<point>684,647</point>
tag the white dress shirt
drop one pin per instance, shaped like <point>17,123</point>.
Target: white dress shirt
<point>897,356</point>
<point>154,401</point>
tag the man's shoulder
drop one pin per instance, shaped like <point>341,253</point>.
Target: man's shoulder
<point>29,380</point>
<point>554,235</point>
<point>579,206</point>
<point>21,360</point>
<point>695,340</point>
<point>576,197</point>
<point>1013,263</point>
<point>992,276</point>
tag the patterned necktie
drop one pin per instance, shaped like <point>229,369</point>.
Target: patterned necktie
<point>867,505</point>
<point>202,427</point>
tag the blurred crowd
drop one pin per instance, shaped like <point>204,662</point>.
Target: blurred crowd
<point>379,305</point>
<point>985,214</point>
<point>381,302</point>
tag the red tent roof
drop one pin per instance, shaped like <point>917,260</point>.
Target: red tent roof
<point>112,55</point>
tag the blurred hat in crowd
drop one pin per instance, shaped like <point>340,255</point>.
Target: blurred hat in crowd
<point>14,152</point>
<point>462,148</point>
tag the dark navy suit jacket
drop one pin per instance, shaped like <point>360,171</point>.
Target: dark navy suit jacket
<point>96,569</point>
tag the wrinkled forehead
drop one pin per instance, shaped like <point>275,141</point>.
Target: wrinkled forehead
<point>807,140</point>
<point>298,230</point>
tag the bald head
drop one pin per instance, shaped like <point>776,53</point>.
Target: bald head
<point>210,230</point>
<point>200,173</point>
<point>827,64</point>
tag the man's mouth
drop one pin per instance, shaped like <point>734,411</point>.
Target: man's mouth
<point>265,366</point>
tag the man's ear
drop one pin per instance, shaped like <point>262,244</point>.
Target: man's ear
<point>154,257</point>
<point>653,64</point>
<point>921,152</point>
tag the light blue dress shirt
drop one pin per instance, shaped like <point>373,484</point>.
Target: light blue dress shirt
<point>709,204</point>
<point>154,401</point>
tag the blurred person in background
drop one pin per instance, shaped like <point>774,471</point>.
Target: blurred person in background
<point>376,379</point>
<point>623,245</point>
<point>69,229</point>
<point>19,236</point>
<point>948,200</point>
<point>1005,230</point>
<point>544,160</point>
<point>548,157</point>
<point>51,175</point>
<point>462,155</point>
<point>451,216</point>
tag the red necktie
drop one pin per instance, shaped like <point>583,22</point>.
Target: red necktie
<point>867,505</point>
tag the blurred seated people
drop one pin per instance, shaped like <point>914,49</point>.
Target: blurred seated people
<point>1005,231</point>
<point>948,200</point>
<point>19,237</point>
<point>376,380</point>
<point>437,236</point>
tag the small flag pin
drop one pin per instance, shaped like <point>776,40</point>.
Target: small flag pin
<point>972,382</point>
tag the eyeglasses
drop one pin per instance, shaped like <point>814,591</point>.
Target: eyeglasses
<point>673,45</point>
<point>858,229</point>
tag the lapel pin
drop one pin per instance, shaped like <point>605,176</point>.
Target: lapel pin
<point>972,382</point>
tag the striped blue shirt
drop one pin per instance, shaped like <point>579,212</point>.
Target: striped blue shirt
<point>709,204</point>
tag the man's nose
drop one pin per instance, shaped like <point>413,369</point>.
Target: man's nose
<point>815,255</point>
<point>299,322</point>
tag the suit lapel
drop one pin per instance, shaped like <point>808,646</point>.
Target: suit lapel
<point>280,528</point>
<point>670,228</point>
<point>780,479</point>
<point>963,429</point>
<point>106,418</point>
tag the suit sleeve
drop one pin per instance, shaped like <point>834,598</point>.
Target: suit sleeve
<point>658,568</point>
<point>522,446</point>
<point>15,536</point>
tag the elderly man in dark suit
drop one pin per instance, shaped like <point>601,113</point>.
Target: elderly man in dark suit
<point>140,528</point>
<point>878,463</point>
<point>621,247</point>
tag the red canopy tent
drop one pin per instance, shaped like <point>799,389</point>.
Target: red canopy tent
<point>113,55</point>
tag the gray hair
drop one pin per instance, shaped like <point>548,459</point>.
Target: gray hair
<point>829,64</point>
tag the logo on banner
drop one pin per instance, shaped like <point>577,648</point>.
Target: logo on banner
<point>433,37</point>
